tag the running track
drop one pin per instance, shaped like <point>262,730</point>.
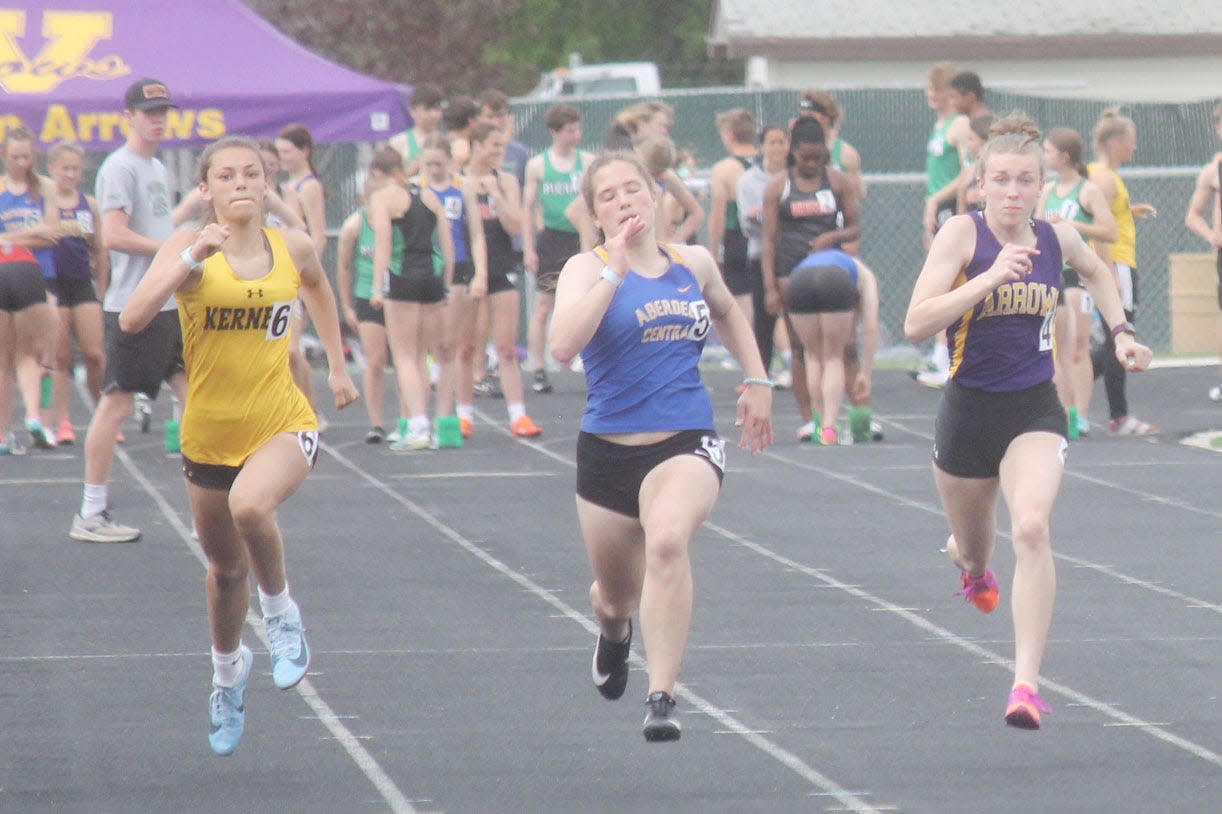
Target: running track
<point>828,669</point>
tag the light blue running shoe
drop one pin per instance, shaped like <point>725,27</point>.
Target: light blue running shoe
<point>289,651</point>
<point>11,445</point>
<point>39,435</point>
<point>227,711</point>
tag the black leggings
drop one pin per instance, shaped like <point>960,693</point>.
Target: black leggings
<point>1109,367</point>
<point>764,323</point>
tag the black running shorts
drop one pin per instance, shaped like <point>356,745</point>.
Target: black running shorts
<point>974,427</point>
<point>554,248</point>
<point>610,474</point>
<point>73,291</point>
<point>21,285</point>
<point>820,290</point>
<point>366,312</point>
<point>140,362</point>
<point>416,283</point>
<point>735,268</point>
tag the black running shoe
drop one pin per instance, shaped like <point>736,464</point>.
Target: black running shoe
<point>660,721</point>
<point>376,435</point>
<point>610,667</point>
<point>541,384</point>
<point>489,387</point>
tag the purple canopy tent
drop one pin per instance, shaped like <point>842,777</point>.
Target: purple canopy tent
<point>64,68</point>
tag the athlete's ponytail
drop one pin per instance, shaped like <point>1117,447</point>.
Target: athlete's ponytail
<point>1014,134</point>
<point>1069,141</point>
<point>1112,124</point>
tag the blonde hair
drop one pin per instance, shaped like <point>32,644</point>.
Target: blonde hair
<point>941,74</point>
<point>630,121</point>
<point>1013,134</point>
<point>657,154</point>
<point>1112,124</point>
<point>820,101</point>
<point>62,147</point>
<point>739,122</point>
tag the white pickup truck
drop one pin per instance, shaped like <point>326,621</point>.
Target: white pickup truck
<point>631,78</point>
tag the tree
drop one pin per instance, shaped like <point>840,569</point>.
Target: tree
<point>469,45</point>
<point>414,41</point>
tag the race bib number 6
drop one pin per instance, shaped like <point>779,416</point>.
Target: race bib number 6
<point>282,317</point>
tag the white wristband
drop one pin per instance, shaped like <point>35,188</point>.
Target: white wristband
<point>611,277</point>
<point>757,380</point>
<point>191,262</point>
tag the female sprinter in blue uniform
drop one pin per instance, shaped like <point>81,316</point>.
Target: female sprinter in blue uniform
<point>990,281</point>
<point>649,462</point>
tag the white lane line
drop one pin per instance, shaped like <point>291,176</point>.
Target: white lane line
<point>360,756</point>
<point>1147,496</point>
<point>929,508</point>
<point>41,482</point>
<point>728,722</point>
<point>466,475</point>
<point>987,655</point>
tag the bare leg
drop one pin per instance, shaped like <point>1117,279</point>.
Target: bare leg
<point>503,320</point>
<point>537,331</point>
<point>616,546</point>
<point>228,591</point>
<point>268,478</point>
<point>971,509</point>
<point>676,498</point>
<point>373,342</point>
<point>1030,478</point>
<point>114,407</point>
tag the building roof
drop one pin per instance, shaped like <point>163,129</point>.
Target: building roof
<point>957,29</point>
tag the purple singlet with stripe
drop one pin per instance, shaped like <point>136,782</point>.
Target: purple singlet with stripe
<point>1004,343</point>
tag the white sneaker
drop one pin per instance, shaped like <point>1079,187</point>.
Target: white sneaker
<point>1215,394</point>
<point>933,378</point>
<point>101,529</point>
<point>413,442</point>
<point>783,380</point>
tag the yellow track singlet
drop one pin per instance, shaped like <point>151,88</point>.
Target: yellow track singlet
<point>235,337</point>
<point>1124,250</point>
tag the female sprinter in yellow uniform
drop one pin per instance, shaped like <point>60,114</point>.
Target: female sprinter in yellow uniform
<point>249,437</point>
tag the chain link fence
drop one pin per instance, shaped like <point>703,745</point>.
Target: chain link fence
<point>892,243</point>
<point>890,126</point>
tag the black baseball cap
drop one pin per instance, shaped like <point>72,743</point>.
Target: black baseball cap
<point>148,94</point>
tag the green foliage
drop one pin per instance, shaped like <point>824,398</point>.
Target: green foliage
<point>469,45</point>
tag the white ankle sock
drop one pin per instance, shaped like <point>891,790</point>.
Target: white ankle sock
<point>516,411</point>
<point>277,605</point>
<point>227,667</point>
<point>94,502</point>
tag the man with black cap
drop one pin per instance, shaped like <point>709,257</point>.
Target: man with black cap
<point>133,193</point>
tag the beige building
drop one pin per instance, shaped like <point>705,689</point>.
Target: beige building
<point>1127,50</point>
